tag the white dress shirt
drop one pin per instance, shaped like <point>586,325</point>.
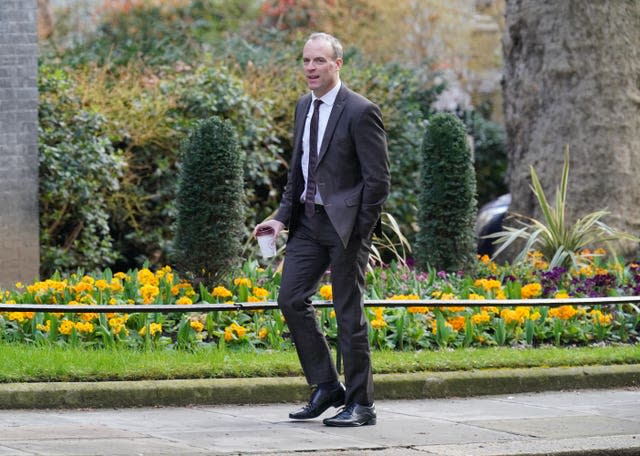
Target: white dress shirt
<point>328,100</point>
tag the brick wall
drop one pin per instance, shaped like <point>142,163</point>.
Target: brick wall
<point>19,237</point>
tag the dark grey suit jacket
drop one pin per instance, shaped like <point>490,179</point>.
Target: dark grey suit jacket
<point>352,172</point>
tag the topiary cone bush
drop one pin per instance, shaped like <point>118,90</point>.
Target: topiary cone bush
<point>210,202</point>
<point>447,200</point>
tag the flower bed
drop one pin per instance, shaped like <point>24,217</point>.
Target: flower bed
<point>401,328</point>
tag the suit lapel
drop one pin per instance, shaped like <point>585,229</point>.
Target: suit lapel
<point>336,112</point>
<point>301,117</point>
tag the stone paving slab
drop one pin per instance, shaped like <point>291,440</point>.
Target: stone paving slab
<point>624,445</point>
<point>560,427</point>
<point>568,423</point>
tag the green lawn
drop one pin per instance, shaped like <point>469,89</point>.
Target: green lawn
<point>22,363</point>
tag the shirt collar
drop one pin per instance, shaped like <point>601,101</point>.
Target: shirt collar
<point>330,97</point>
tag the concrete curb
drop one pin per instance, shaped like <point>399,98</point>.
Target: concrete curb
<point>294,389</point>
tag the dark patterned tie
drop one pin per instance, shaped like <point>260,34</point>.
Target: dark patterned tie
<point>310,195</point>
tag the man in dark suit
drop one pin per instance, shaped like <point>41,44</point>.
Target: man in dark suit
<point>338,180</point>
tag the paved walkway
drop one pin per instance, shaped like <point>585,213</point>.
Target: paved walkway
<point>585,422</point>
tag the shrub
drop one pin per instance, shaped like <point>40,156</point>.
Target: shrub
<point>558,240</point>
<point>448,197</point>
<point>147,110</point>
<point>79,168</point>
<point>214,90</point>
<point>210,201</point>
<point>156,32</point>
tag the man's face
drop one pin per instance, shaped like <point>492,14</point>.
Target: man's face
<point>321,68</point>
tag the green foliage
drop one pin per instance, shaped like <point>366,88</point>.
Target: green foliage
<point>214,90</point>
<point>559,241</point>
<point>210,201</point>
<point>154,33</point>
<point>448,197</point>
<point>79,168</point>
<point>32,363</point>
<point>149,103</point>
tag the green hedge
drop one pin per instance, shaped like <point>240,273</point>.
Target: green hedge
<point>210,201</point>
<point>448,198</point>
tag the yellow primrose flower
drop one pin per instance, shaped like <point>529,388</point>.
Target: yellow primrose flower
<point>455,309</point>
<point>239,330</point>
<point>154,328</point>
<point>563,312</point>
<point>510,316</point>
<point>480,318</point>
<point>116,285</point>
<point>378,323</point>
<point>476,297</point>
<point>602,319</point>
<point>523,313</point>
<point>85,328</point>
<point>146,277</point>
<point>44,328</point>
<point>184,301</point>
<point>410,297</point>
<point>261,293</point>
<point>262,334</point>
<point>19,285</point>
<point>418,309</point>
<point>17,316</point>
<point>82,287</point>
<point>457,323</point>
<point>196,325</point>
<point>116,321</point>
<point>65,327</point>
<point>378,311</point>
<point>101,284</point>
<point>531,290</point>
<point>149,293</point>
<point>326,292</point>
<point>120,275</point>
<point>442,295</point>
<point>239,281</point>
<point>221,292</point>
<point>160,273</point>
<point>586,271</point>
<point>488,284</point>
<point>89,316</point>
<point>561,295</point>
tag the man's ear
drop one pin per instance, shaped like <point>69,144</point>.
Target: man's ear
<point>338,64</point>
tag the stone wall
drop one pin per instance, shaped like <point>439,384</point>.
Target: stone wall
<point>19,234</point>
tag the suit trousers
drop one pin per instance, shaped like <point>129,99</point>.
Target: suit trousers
<point>313,247</point>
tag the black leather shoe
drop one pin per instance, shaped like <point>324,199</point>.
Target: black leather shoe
<point>320,401</point>
<point>353,415</point>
